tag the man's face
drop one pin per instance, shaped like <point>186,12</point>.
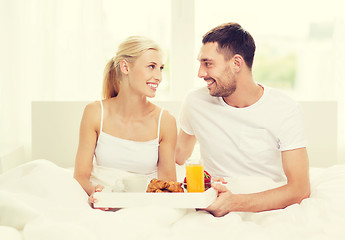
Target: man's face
<point>216,71</point>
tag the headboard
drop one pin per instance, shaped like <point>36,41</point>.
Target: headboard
<point>55,130</point>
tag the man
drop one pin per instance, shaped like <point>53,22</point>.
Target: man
<point>244,128</point>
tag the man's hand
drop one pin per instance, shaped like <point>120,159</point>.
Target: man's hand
<point>222,205</point>
<point>297,188</point>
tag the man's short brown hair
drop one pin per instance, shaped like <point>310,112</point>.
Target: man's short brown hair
<point>232,39</point>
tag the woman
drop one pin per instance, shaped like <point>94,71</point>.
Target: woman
<point>125,131</point>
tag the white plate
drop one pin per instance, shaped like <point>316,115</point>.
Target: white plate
<point>174,200</point>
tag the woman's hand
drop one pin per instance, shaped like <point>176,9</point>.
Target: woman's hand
<point>93,200</point>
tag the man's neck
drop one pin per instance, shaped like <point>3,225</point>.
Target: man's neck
<point>245,95</point>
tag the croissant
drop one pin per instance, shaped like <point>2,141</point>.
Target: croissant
<point>157,185</point>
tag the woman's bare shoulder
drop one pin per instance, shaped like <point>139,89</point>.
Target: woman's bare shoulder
<point>92,112</point>
<point>93,108</point>
<point>166,115</point>
<point>168,122</point>
<point>168,127</point>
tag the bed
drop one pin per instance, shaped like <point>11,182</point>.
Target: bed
<point>40,199</point>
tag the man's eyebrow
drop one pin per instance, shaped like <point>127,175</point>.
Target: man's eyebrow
<point>205,60</point>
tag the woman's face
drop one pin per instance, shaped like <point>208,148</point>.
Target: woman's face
<point>145,73</point>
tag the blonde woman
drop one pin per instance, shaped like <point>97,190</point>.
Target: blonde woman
<point>126,131</point>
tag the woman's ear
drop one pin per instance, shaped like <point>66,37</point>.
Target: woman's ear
<point>124,67</point>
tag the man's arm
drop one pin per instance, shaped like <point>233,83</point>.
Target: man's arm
<point>184,147</point>
<point>296,168</point>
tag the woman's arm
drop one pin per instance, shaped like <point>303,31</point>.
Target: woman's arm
<point>88,135</point>
<point>167,145</point>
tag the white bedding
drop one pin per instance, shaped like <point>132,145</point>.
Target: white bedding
<point>40,200</point>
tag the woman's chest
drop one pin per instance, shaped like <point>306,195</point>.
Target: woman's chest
<point>136,130</point>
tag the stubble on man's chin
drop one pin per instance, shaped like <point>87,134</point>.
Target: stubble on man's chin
<point>223,92</point>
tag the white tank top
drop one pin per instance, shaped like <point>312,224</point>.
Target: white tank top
<point>127,155</point>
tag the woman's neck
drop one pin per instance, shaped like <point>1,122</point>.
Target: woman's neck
<point>131,106</point>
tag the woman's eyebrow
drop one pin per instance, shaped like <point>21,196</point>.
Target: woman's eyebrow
<point>154,63</point>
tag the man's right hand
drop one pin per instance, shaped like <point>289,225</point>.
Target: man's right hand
<point>222,205</point>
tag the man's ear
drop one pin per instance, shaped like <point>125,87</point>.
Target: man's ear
<point>238,62</point>
<point>124,67</point>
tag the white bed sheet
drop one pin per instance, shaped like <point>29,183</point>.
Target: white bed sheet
<point>39,200</point>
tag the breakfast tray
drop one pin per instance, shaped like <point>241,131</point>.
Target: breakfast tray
<point>137,199</point>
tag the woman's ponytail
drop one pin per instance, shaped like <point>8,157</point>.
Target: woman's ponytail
<point>110,80</point>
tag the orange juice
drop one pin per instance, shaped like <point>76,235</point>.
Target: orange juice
<point>195,177</point>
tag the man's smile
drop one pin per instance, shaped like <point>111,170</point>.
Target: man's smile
<point>209,81</point>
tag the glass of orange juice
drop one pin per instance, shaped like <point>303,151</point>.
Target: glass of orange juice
<point>195,177</point>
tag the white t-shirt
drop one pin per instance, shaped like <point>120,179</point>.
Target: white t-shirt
<point>244,141</point>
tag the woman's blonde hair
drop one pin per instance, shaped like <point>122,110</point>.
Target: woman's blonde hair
<point>129,50</point>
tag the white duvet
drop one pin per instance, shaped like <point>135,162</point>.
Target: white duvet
<point>40,200</point>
